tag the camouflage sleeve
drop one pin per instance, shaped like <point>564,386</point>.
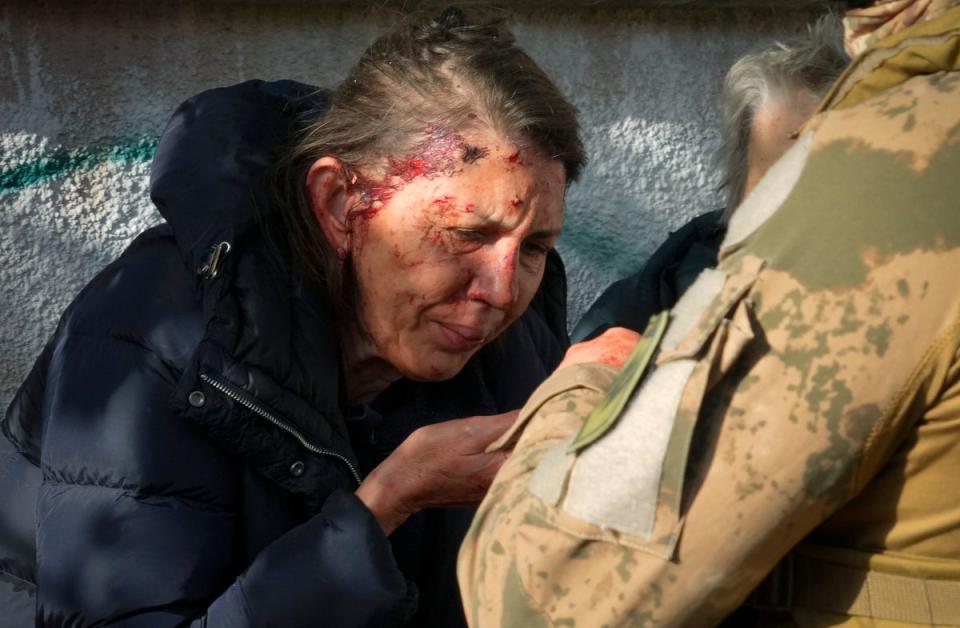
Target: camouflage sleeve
<point>555,412</point>
<point>821,356</point>
<point>763,471</point>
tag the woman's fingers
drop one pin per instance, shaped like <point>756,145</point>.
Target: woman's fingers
<point>483,468</point>
<point>443,464</point>
<point>480,431</point>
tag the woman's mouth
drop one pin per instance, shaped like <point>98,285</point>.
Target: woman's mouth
<point>461,337</point>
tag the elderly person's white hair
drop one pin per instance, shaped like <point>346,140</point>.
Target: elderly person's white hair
<point>807,63</point>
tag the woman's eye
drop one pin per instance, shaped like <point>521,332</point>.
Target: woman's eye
<point>469,235</point>
<point>461,240</point>
<point>534,248</point>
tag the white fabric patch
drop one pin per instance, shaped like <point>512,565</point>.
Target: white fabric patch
<point>770,193</point>
<point>692,304</point>
<point>615,482</point>
<point>547,479</point>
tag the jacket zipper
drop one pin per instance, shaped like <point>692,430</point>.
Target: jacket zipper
<point>250,402</point>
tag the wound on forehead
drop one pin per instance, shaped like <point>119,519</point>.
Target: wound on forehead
<point>473,153</point>
<point>440,153</point>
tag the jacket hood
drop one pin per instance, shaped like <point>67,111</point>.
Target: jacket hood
<point>213,157</point>
<point>265,332</point>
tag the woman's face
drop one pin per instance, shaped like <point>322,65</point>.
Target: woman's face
<point>449,248</point>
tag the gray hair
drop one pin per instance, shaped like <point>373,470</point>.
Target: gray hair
<point>810,62</point>
<point>425,78</point>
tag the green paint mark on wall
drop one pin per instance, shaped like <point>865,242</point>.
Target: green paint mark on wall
<point>64,163</point>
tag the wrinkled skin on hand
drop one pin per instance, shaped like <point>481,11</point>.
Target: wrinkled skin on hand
<point>611,348</point>
<point>438,465</point>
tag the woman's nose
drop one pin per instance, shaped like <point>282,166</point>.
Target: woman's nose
<point>495,278</point>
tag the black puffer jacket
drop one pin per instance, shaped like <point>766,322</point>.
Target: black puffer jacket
<point>180,453</point>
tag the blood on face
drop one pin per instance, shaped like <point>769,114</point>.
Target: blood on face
<point>440,153</point>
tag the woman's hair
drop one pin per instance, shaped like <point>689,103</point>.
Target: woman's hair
<point>426,78</point>
<point>810,62</point>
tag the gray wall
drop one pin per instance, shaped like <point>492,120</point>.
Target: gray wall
<point>85,90</point>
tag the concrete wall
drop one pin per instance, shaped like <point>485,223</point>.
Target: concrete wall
<point>86,87</point>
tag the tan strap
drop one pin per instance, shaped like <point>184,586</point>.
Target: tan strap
<point>803,581</point>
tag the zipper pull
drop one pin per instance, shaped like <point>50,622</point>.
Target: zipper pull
<point>211,267</point>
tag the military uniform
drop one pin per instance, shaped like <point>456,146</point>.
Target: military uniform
<point>801,408</point>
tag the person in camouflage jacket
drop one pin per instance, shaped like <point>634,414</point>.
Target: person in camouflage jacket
<point>797,412</point>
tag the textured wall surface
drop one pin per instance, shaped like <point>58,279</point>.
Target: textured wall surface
<point>85,89</point>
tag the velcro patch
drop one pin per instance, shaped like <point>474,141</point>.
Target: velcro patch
<point>605,415</point>
<point>615,483</point>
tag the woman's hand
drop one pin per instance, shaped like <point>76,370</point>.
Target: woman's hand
<point>612,348</point>
<point>438,465</point>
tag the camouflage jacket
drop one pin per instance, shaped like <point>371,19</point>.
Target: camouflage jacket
<point>804,401</point>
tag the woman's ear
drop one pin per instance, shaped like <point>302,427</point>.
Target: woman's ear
<point>332,195</point>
